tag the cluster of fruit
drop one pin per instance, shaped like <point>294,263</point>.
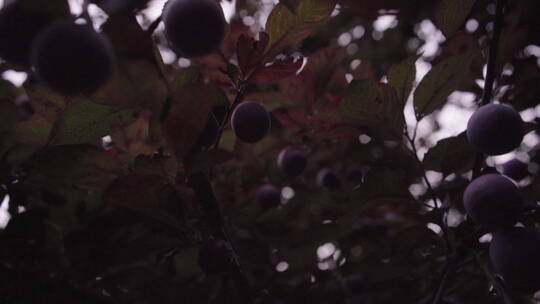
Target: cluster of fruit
<point>494,201</point>
<point>72,58</point>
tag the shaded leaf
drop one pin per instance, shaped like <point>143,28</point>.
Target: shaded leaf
<point>278,70</point>
<point>375,107</point>
<point>289,29</point>
<point>251,52</point>
<point>85,122</point>
<point>439,82</point>
<point>401,77</point>
<point>451,155</point>
<point>451,14</point>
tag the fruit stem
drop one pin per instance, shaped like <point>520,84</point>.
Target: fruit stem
<point>240,92</point>
<point>490,71</point>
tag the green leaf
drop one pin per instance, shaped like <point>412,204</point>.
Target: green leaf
<point>439,82</point>
<point>85,122</point>
<point>451,155</point>
<point>401,77</point>
<point>289,29</point>
<point>375,107</point>
<point>451,15</point>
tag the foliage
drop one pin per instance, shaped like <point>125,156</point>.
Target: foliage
<point>111,194</point>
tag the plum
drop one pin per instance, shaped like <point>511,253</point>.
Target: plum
<point>515,169</point>
<point>18,28</point>
<point>250,122</point>
<point>292,161</point>
<point>209,134</point>
<point>72,58</point>
<point>268,196</point>
<point>492,201</point>
<point>194,28</point>
<point>514,253</point>
<point>327,178</point>
<point>215,257</point>
<point>495,129</point>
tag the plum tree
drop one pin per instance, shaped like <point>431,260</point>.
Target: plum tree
<point>18,28</point>
<point>268,196</point>
<point>292,161</point>
<point>327,178</point>
<point>495,129</point>
<point>215,257</point>
<point>492,201</point>
<point>194,28</point>
<point>250,122</point>
<point>515,169</point>
<point>210,132</point>
<point>514,252</point>
<point>72,58</point>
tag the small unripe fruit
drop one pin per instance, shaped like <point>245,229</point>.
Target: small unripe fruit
<point>292,161</point>
<point>492,201</point>
<point>515,254</point>
<point>72,58</point>
<point>250,122</point>
<point>18,28</point>
<point>215,257</point>
<point>194,28</point>
<point>495,129</point>
<point>268,196</point>
<point>515,169</point>
<point>328,179</point>
<point>209,133</point>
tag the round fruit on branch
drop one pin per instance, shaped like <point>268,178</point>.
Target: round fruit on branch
<point>492,201</point>
<point>250,122</point>
<point>292,161</point>
<point>495,129</point>
<point>514,252</point>
<point>72,58</point>
<point>194,28</point>
<point>268,196</point>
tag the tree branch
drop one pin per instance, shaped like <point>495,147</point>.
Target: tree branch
<point>491,72</point>
<point>200,183</point>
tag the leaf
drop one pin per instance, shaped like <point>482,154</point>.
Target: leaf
<point>439,82</point>
<point>291,4</point>
<point>146,195</point>
<point>251,52</point>
<point>375,107</point>
<point>85,122</point>
<point>451,15</point>
<point>401,77</point>
<point>190,109</point>
<point>278,70</point>
<point>451,155</point>
<point>289,29</point>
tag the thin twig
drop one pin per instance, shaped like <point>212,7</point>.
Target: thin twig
<point>154,25</point>
<point>237,100</point>
<point>491,72</point>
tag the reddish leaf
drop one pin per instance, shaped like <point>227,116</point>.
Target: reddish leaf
<point>277,70</point>
<point>251,52</point>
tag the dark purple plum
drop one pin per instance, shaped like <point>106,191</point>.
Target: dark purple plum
<point>209,133</point>
<point>495,129</point>
<point>250,122</point>
<point>328,179</point>
<point>18,28</point>
<point>514,252</point>
<point>72,58</point>
<point>215,257</point>
<point>515,169</point>
<point>194,28</point>
<point>492,201</point>
<point>268,196</point>
<point>292,161</point>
